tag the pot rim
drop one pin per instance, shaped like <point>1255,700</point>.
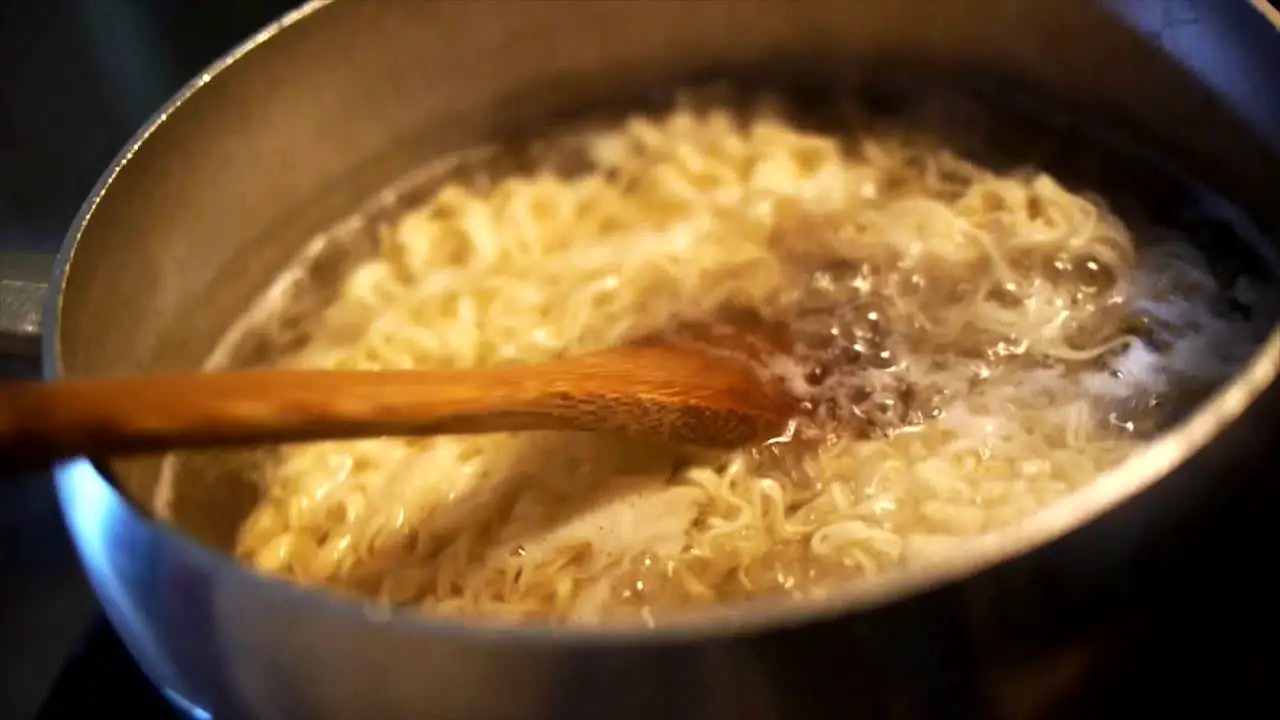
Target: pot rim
<point>1080,508</point>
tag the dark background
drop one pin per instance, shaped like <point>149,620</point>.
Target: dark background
<point>77,78</point>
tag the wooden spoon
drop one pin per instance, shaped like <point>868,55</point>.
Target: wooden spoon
<point>682,394</point>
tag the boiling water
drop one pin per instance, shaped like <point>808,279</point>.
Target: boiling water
<point>1090,348</point>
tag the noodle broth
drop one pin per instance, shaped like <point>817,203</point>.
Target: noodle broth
<point>972,339</point>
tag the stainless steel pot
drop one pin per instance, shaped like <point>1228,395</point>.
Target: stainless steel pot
<point>318,111</point>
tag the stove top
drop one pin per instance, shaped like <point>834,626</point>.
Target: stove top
<point>101,674</point>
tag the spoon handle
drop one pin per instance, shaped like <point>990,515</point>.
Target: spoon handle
<point>679,395</point>
<point>44,422</point>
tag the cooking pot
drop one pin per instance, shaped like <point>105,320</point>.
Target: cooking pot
<point>316,113</point>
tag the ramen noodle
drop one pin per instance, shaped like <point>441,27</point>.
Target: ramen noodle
<point>971,345</point>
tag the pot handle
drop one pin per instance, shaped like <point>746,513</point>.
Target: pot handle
<point>24,282</point>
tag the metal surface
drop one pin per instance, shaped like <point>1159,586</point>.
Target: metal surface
<point>323,109</point>
<point>80,77</point>
<point>44,599</point>
<point>24,280</point>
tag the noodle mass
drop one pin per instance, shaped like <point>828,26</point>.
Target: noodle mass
<point>970,345</point>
